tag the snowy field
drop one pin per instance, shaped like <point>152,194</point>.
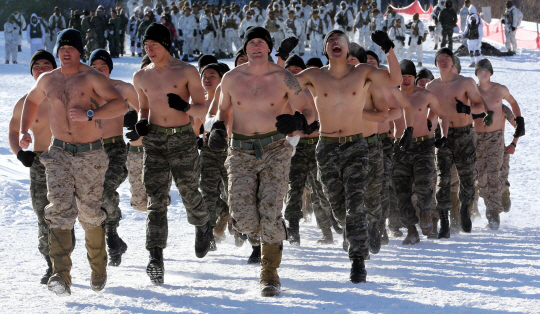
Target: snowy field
<point>485,271</point>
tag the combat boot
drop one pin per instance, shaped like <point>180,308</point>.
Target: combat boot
<point>155,269</point>
<point>255,257</point>
<point>327,236</point>
<point>435,221</point>
<point>466,223</point>
<point>444,232</point>
<point>48,272</point>
<point>270,261</point>
<point>116,246</point>
<point>455,221</point>
<point>239,239</point>
<point>221,225</point>
<point>426,224</point>
<point>358,270</point>
<point>60,247</point>
<point>374,237</point>
<point>493,221</point>
<point>506,202</point>
<point>294,231</point>
<point>383,233</point>
<point>412,236</point>
<point>436,47</point>
<point>203,236</point>
<point>97,257</point>
<point>396,233</point>
<point>420,64</point>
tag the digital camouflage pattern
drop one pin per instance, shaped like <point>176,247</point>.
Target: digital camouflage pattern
<point>489,162</point>
<point>387,148</point>
<point>38,194</point>
<point>213,177</point>
<point>372,198</point>
<point>116,174</point>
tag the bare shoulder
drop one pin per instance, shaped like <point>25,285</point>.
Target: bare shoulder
<point>312,72</point>
<point>466,80</point>
<point>139,74</point>
<point>433,84</point>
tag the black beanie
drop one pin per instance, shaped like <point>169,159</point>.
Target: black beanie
<point>101,54</point>
<point>446,51</point>
<point>69,37</point>
<point>407,67</point>
<point>483,64</point>
<point>225,67</point>
<point>40,55</point>
<point>214,66</point>
<point>206,59</point>
<point>374,55</point>
<point>314,62</point>
<point>239,53</point>
<point>257,32</point>
<point>457,63</point>
<point>159,33</point>
<point>358,52</point>
<point>330,33</point>
<point>422,74</point>
<point>295,60</point>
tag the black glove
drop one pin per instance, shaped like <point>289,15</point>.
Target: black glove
<point>406,139</point>
<point>462,108</point>
<point>381,39</point>
<point>287,45</point>
<point>440,142</point>
<point>385,29</point>
<point>349,28</point>
<point>200,142</point>
<point>194,33</point>
<point>288,123</point>
<point>132,136</point>
<point>141,127</point>
<point>180,32</point>
<point>307,36</point>
<point>520,127</point>
<point>503,21</point>
<point>217,140</point>
<point>410,38</point>
<point>419,41</point>
<point>215,34</point>
<point>429,125</point>
<point>176,102</point>
<point>488,119</point>
<point>513,29</point>
<point>311,127</point>
<point>26,157</point>
<point>478,116</point>
<point>130,118</point>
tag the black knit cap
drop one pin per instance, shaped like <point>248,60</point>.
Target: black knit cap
<point>295,60</point>
<point>206,59</point>
<point>159,33</point>
<point>239,53</point>
<point>483,64</point>
<point>40,55</point>
<point>101,54</point>
<point>257,32</point>
<point>225,67</point>
<point>374,55</point>
<point>327,37</point>
<point>407,67</point>
<point>422,74</point>
<point>358,52</point>
<point>446,51</point>
<point>314,62</point>
<point>213,66</point>
<point>69,37</point>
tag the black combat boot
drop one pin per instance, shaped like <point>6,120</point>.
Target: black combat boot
<point>374,237</point>
<point>466,223</point>
<point>358,270</point>
<point>412,236</point>
<point>48,272</point>
<point>203,236</point>
<point>444,232</point>
<point>255,257</point>
<point>294,231</point>
<point>116,246</point>
<point>155,269</point>
<point>383,233</point>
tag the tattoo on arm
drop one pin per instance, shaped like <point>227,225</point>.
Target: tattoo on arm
<point>508,112</point>
<point>94,105</point>
<point>292,83</point>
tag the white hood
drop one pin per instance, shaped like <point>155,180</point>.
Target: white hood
<point>37,19</point>
<point>472,9</point>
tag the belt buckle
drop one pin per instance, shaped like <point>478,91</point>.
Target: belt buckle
<point>344,139</point>
<point>113,140</point>
<point>310,141</point>
<point>350,138</point>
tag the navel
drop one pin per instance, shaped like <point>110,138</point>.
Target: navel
<point>325,95</point>
<point>354,93</point>
<point>239,104</point>
<point>174,86</point>
<point>82,94</point>
<point>145,90</point>
<point>272,105</point>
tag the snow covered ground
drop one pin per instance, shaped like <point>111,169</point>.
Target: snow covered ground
<point>485,271</point>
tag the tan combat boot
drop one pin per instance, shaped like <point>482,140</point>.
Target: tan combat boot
<point>327,236</point>
<point>60,243</point>
<point>455,221</point>
<point>506,202</point>
<point>270,260</point>
<point>220,227</point>
<point>426,223</point>
<point>97,257</point>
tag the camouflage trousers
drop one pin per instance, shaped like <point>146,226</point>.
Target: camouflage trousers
<point>257,188</point>
<point>461,150</point>
<point>38,194</point>
<point>343,170</point>
<point>414,166</point>
<point>176,154</point>
<point>116,174</point>
<point>213,177</point>
<point>304,170</point>
<point>81,175</point>
<point>372,197</point>
<point>489,161</point>
<point>505,171</point>
<point>389,205</point>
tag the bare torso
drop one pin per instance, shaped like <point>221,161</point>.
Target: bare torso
<point>447,92</point>
<point>40,127</point>
<point>420,102</point>
<point>375,102</point>
<point>493,97</point>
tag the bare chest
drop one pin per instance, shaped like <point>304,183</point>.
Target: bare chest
<point>69,92</point>
<point>156,86</point>
<point>261,94</point>
<point>493,98</point>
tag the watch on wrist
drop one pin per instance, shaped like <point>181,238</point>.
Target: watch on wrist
<point>90,114</point>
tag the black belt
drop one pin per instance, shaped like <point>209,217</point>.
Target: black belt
<point>341,139</point>
<point>170,131</point>
<point>257,145</point>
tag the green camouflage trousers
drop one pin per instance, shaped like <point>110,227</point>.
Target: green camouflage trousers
<point>79,174</point>
<point>343,170</point>
<point>257,188</point>
<point>176,154</point>
<point>389,202</point>
<point>213,177</point>
<point>414,166</point>
<point>116,174</point>
<point>304,170</point>
<point>461,150</point>
<point>372,198</point>
<point>38,194</point>
<point>505,171</point>
<point>489,162</point>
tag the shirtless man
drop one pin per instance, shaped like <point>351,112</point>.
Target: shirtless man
<point>75,162</point>
<point>453,92</point>
<point>42,61</point>
<point>116,149</point>
<point>169,144</point>
<point>490,141</point>
<point>417,164</point>
<point>256,94</point>
<point>340,90</point>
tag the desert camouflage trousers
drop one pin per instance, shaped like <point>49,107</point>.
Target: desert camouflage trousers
<point>116,174</point>
<point>489,162</point>
<point>213,178</point>
<point>38,194</point>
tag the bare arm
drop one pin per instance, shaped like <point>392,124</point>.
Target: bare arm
<point>392,77</point>
<point>435,107</point>
<point>225,107</point>
<point>406,105</point>
<point>394,110</point>
<point>198,108</point>
<point>512,101</point>
<point>478,105</point>
<point>144,109</point>
<point>129,93</point>
<point>31,104</point>
<point>215,103</point>
<point>297,98</point>
<point>380,110</point>
<point>14,126</point>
